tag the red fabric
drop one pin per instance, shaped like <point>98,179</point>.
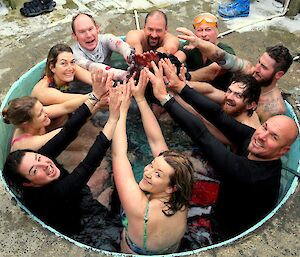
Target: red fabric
<point>205,193</point>
<point>202,222</point>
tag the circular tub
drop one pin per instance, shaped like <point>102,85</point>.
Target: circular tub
<point>23,86</point>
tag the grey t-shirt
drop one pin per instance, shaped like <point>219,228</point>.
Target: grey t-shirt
<point>101,54</point>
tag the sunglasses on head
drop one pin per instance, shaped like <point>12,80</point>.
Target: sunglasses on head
<point>204,20</point>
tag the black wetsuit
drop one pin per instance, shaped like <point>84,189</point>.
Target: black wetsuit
<point>249,189</point>
<point>58,203</point>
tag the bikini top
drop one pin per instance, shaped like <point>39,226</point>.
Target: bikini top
<point>63,88</point>
<point>133,246</point>
<point>19,138</point>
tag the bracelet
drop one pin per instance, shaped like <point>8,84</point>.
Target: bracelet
<point>93,97</point>
<point>166,99</point>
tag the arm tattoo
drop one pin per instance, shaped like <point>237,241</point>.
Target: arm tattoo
<point>218,56</point>
<point>229,62</point>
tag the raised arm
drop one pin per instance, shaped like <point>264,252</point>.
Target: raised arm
<point>212,129</point>
<point>152,129</point>
<point>89,66</point>
<point>208,90</point>
<point>222,58</point>
<point>116,44</point>
<point>204,88</point>
<point>96,153</point>
<point>219,156</point>
<point>207,73</point>
<point>78,119</point>
<point>134,39</point>
<point>83,75</point>
<point>170,44</point>
<point>129,191</point>
<point>232,129</point>
<point>56,110</point>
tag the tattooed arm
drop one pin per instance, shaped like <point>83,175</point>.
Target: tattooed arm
<point>222,58</point>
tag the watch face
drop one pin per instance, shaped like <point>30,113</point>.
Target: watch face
<point>167,98</point>
<point>93,97</point>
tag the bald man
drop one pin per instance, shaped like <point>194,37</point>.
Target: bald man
<point>154,36</point>
<point>250,178</point>
<point>93,50</point>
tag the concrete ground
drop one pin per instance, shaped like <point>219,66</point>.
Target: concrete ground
<point>24,42</point>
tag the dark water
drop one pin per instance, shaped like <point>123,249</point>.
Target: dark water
<point>102,228</point>
<point>138,146</point>
<point>139,154</point>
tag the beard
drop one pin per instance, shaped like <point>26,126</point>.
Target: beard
<point>233,111</point>
<point>151,44</point>
<point>266,82</point>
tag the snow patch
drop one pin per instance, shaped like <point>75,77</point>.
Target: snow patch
<point>259,10</point>
<point>3,8</point>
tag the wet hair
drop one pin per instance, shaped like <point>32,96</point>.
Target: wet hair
<point>181,180</point>
<point>52,57</point>
<point>19,110</point>
<point>282,57</point>
<point>251,89</point>
<point>81,13</point>
<point>155,12</point>
<point>11,169</point>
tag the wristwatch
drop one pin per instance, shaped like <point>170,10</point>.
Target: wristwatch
<point>166,99</point>
<point>93,99</point>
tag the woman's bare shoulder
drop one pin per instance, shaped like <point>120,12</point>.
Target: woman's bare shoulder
<point>43,83</point>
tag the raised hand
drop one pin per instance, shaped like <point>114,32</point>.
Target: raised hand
<point>115,100</point>
<point>100,82</point>
<point>126,94</point>
<point>188,35</point>
<point>151,56</point>
<point>144,59</point>
<point>136,65</point>
<point>172,80</point>
<point>138,91</point>
<point>182,73</point>
<point>157,80</point>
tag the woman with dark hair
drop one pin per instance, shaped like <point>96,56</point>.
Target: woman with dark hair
<point>163,194</point>
<point>60,71</point>
<point>48,190</point>
<point>33,120</point>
